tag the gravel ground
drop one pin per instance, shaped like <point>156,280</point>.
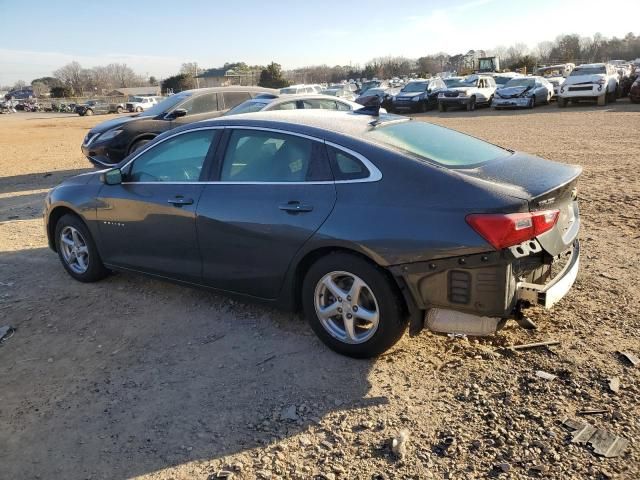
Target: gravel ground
<point>135,378</point>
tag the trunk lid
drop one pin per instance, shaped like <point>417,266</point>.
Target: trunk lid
<point>545,185</point>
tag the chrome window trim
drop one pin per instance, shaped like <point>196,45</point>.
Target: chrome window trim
<point>375,174</point>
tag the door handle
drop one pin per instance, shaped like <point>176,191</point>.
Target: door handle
<point>179,201</point>
<point>295,207</point>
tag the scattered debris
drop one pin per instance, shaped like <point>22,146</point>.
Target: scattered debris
<point>634,360</point>
<point>6,332</point>
<point>221,475</point>
<point>604,443</point>
<point>614,384</point>
<point>289,413</point>
<point>527,346</point>
<point>546,376</point>
<point>268,359</point>
<point>608,276</point>
<point>399,444</point>
<point>592,411</point>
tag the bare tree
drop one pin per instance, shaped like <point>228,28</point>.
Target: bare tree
<point>71,76</point>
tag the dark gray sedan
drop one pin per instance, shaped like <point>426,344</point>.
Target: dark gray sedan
<point>366,223</point>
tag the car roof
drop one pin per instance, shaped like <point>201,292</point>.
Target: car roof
<point>234,88</point>
<point>591,65</point>
<point>301,121</point>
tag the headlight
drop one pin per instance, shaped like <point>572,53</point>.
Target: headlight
<point>416,98</point>
<point>462,94</point>
<point>109,134</point>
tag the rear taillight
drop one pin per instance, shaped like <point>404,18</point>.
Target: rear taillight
<point>506,230</point>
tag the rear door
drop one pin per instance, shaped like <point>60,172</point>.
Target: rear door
<point>273,190</point>
<point>199,107</point>
<point>147,222</point>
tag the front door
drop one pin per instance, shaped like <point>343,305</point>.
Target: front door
<point>147,223</point>
<point>274,191</point>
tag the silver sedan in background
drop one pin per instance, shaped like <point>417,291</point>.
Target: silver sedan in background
<point>524,92</point>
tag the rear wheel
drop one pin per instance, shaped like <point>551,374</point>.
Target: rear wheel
<point>88,112</point>
<point>352,306</point>
<point>77,250</point>
<point>471,106</point>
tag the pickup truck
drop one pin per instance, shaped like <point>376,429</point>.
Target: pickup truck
<point>139,104</point>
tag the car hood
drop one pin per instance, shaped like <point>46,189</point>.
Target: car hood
<point>459,89</point>
<point>82,179</point>
<point>524,176</point>
<point>113,123</point>
<point>509,92</point>
<point>577,79</point>
<point>409,94</point>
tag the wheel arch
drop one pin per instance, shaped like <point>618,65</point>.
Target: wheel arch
<point>54,216</point>
<point>143,136</point>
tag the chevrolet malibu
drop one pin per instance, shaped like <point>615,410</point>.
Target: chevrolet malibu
<point>365,223</point>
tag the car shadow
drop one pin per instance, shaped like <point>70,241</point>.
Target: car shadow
<point>35,181</point>
<point>131,375</point>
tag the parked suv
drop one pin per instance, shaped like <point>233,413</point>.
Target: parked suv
<point>138,104</point>
<point>468,92</point>
<point>109,142</point>
<point>592,81</point>
<point>92,107</point>
<point>418,95</point>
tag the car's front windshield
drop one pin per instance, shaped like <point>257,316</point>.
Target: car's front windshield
<point>503,80</point>
<point>520,82</point>
<point>415,87</point>
<point>437,144</point>
<point>248,107</point>
<point>549,72</point>
<point>165,105</point>
<point>464,82</point>
<point>588,71</point>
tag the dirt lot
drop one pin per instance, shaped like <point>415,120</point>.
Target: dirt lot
<point>135,378</point>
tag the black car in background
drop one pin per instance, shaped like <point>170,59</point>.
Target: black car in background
<point>93,107</point>
<point>366,223</point>
<point>109,142</point>
<point>418,95</point>
<point>382,96</point>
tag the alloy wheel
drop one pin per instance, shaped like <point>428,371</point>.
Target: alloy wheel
<point>346,307</point>
<point>74,249</point>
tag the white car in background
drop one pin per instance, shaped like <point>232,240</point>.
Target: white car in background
<point>300,89</point>
<point>591,81</point>
<point>468,92</point>
<point>556,75</point>
<point>138,104</point>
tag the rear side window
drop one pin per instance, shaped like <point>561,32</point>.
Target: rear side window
<point>321,103</point>
<point>231,99</point>
<point>201,104</point>
<point>346,166</point>
<point>437,144</point>
<point>264,156</point>
<point>285,106</point>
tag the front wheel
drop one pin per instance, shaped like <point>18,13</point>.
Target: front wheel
<point>532,102</point>
<point>138,145</point>
<point>139,109</point>
<point>77,250</point>
<point>442,107</point>
<point>352,306</point>
<point>471,106</point>
<point>119,110</point>
<point>562,102</point>
<point>88,112</point>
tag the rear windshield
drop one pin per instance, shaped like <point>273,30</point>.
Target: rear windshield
<point>438,144</point>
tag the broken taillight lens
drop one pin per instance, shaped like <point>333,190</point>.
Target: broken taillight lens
<point>504,230</point>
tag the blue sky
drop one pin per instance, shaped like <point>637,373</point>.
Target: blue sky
<point>154,38</point>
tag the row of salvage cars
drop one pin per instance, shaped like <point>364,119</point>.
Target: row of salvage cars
<point>367,222</point>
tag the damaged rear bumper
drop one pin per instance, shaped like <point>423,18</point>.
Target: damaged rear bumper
<point>490,285</point>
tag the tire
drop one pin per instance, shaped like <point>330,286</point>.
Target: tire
<point>421,107</point>
<point>562,102</point>
<point>471,106</point>
<point>634,99</point>
<point>614,95</point>
<point>532,102</point>
<point>71,228</point>
<point>139,144</point>
<point>119,110</point>
<point>442,107</point>
<point>602,99</point>
<point>378,295</point>
<point>138,109</point>
<point>88,112</point>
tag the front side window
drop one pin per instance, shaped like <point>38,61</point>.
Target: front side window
<point>201,104</point>
<point>263,156</point>
<point>178,159</point>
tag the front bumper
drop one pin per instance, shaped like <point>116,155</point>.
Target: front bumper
<point>454,100</point>
<point>582,91</point>
<point>490,284</point>
<point>511,102</point>
<point>405,105</point>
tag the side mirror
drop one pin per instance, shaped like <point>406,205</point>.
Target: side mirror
<point>178,112</point>
<point>112,177</point>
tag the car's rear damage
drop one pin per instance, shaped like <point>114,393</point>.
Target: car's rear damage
<point>534,262</point>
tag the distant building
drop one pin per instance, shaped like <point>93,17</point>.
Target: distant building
<point>220,77</point>
<point>135,92</point>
